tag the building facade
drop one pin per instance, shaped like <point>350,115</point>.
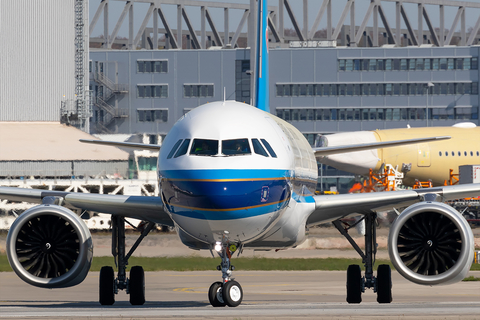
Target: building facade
<point>320,91</point>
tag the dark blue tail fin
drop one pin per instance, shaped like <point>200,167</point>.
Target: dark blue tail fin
<point>262,97</point>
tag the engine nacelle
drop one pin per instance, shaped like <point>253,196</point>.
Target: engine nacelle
<point>431,243</point>
<point>49,246</point>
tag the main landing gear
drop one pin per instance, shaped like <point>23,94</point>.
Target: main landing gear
<point>109,285</point>
<point>228,292</point>
<point>356,284</point>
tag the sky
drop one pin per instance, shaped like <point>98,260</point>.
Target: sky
<point>361,6</point>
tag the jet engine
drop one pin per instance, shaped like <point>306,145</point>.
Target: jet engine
<point>431,243</point>
<point>49,246</point>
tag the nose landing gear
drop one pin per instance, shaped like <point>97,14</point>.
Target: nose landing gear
<point>228,292</point>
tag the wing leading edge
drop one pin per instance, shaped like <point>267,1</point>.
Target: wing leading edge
<point>139,207</point>
<point>332,207</point>
<point>153,147</point>
<point>325,151</point>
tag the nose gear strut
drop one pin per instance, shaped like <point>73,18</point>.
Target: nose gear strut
<point>228,292</point>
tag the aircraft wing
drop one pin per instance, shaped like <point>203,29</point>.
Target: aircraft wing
<point>138,207</point>
<point>332,207</point>
<point>153,147</point>
<point>325,151</point>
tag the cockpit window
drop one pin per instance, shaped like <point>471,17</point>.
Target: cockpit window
<point>258,149</point>
<point>204,147</point>
<point>235,147</point>
<point>269,148</point>
<point>174,149</point>
<point>183,148</point>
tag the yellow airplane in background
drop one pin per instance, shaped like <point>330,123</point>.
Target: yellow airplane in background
<point>423,161</point>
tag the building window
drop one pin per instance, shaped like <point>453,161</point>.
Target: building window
<point>197,90</point>
<point>474,88</point>
<point>451,64</point>
<point>459,64</point>
<point>357,89</point>
<point>364,63</point>
<point>411,64</point>
<point>152,91</point>
<point>428,64</point>
<point>242,81</point>
<point>417,64</point>
<point>388,114</point>
<point>396,89</point>
<point>152,66</point>
<point>349,65</point>
<point>152,115</point>
<point>443,64</point>
<point>380,64</point>
<point>388,65</point>
<point>474,64</point>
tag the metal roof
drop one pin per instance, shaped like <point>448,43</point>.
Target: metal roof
<point>40,141</point>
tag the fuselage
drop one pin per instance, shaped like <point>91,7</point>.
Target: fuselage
<point>424,161</point>
<point>227,166</point>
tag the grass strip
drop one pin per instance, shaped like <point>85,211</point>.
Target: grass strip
<point>209,264</point>
<point>241,264</point>
<point>471,278</point>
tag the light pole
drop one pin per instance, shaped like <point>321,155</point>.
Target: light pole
<point>427,86</point>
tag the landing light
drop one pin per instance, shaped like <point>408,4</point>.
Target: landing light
<point>218,246</point>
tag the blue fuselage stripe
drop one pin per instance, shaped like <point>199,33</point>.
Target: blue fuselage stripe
<point>227,214</point>
<point>225,194</point>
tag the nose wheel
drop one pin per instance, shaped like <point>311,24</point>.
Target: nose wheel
<point>232,293</point>
<point>215,295</point>
<point>228,292</point>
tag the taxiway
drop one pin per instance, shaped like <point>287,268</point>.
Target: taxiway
<point>267,294</point>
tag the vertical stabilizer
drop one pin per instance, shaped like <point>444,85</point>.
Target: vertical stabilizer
<point>262,96</point>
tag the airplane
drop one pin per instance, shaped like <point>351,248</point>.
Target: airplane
<point>423,162</point>
<point>234,177</point>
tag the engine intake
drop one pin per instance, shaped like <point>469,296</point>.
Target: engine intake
<point>50,246</point>
<point>431,243</point>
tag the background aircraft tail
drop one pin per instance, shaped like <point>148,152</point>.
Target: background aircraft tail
<point>262,96</point>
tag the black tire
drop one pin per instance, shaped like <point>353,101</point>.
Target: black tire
<point>107,286</point>
<point>384,284</point>
<point>215,295</point>
<point>232,293</point>
<point>354,284</point>
<point>136,286</point>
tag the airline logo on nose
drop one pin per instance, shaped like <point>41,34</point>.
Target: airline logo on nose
<point>265,192</point>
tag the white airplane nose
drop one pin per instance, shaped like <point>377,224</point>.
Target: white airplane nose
<point>355,162</point>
